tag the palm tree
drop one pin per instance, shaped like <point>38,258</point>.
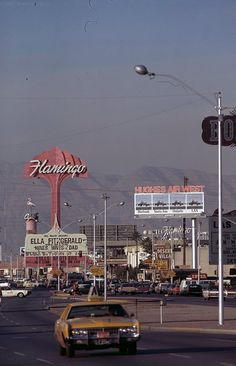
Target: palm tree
<point>147,245</point>
<point>137,237</point>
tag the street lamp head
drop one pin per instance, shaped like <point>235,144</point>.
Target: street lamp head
<point>67,204</point>
<point>142,70</point>
<point>121,203</point>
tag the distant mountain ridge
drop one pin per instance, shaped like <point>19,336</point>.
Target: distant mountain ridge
<point>84,196</point>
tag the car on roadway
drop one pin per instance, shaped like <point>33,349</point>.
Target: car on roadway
<point>213,293</point>
<point>14,292</point>
<point>96,324</point>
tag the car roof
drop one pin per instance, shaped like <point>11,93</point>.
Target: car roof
<point>96,302</point>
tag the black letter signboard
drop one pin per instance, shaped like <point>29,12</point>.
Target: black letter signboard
<point>210,130</point>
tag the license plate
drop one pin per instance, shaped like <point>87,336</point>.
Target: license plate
<point>102,342</point>
<point>102,334</point>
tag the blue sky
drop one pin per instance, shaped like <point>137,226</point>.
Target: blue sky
<point>67,80</point>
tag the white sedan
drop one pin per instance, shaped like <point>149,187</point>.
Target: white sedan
<point>14,292</point>
<point>212,293</point>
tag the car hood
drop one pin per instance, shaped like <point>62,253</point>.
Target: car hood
<point>105,321</point>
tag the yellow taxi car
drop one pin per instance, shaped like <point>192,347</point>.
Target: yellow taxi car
<point>96,325</point>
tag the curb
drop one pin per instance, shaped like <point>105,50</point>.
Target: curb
<point>187,329</point>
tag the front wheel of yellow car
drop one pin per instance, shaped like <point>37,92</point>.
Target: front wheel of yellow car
<point>123,349</point>
<point>132,348</point>
<point>128,348</point>
<point>70,352</point>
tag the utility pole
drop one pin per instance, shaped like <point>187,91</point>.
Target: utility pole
<point>184,229</point>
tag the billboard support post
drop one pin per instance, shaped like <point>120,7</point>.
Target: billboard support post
<point>194,266</point>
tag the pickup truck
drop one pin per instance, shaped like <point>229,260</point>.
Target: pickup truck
<point>14,292</point>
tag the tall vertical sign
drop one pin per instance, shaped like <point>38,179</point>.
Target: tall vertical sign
<point>55,166</point>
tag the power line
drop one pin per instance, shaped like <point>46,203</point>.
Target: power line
<point>99,128</point>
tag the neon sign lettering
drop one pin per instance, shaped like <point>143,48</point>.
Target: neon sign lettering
<point>42,168</point>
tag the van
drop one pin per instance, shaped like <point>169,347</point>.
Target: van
<point>4,282</point>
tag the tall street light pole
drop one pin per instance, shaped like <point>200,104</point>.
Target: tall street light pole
<point>142,70</point>
<point>105,197</point>
<point>94,246</point>
<point>58,261</point>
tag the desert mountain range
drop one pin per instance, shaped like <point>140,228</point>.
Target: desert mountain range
<point>84,198</point>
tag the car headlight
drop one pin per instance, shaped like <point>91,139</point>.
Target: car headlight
<point>128,330</point>
<point>79,332</point>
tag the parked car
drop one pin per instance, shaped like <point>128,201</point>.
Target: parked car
<point>143,288</point>
<point>13,292</point>
<point>128,289</point>
<point>173,289</point>
<point>193,290</point>
<point>95,325</point>
<point>78,289</point>
<point>162,288</point>
<point>4,282</point>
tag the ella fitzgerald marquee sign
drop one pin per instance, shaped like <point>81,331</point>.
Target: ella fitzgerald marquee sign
<point>44,248</point>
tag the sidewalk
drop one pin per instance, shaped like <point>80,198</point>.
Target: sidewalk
<point>185,317</point>
<point>202,318</point>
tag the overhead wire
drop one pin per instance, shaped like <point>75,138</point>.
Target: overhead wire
<point>100,128</point>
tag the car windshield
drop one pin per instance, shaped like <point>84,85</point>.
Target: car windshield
<point>97,310</point>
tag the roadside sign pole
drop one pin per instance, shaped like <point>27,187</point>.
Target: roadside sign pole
<point>142,70</point>
<point>220,249</point>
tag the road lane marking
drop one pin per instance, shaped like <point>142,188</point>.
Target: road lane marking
<point>178,355</point>
<point>45,361</point>
<point>223,340</point>
<point>19,353</point>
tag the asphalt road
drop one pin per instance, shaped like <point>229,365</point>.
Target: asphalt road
<point>26,338</point>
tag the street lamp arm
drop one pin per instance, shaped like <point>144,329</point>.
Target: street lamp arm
<point>142,70</point>
<point>70,223</point>
<point>186,86</point>
<point>113,205</point>
<point>227,219</point>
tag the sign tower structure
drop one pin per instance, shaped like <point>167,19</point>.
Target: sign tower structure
<point>54,247</point>
<point>55,166</point>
